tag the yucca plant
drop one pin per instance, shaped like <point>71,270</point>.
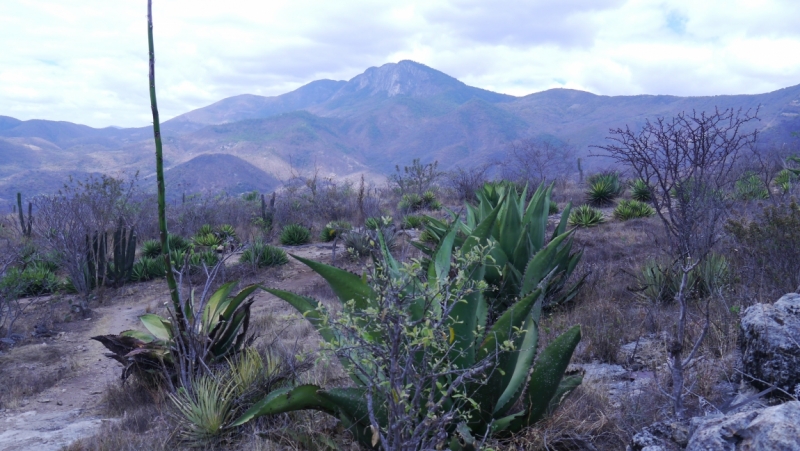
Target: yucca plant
<point>586,216</point>
<point>263,255</point>
<point>506,389</point>
<point>520,231</point>
<point>413,222</point>
<point>206,409</point>
<point>205,229</point>
<point>295,235</point>
<point>226,232</point>
<point>603,189</point>
<point>641,191</point>
<point>632,209</point>
<point>410,202</point>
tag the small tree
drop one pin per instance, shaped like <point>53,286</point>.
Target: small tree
<point>536,160</point>
<point>417,178</point>
<point>688,160</point>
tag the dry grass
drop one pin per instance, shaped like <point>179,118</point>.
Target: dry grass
<point>28,370</point>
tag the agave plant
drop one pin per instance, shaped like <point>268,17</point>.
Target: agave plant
<point>783,181</point>
<point>520,232</point>
<point>515,393</point>
<point>586,216</point>
<point>215,328</point>
<point>603,188</point>
<point>632,209</point>
<point>641,191</point>
<point>264,255</point>
<point>751,187</point>
<point>334,229</point>
<point>295,235</point>
<point>151,248</point>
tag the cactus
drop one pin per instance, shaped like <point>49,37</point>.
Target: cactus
<point>26,229</point>
<point>124,254</point>
<point>580,170</point>
<point>96,259</point>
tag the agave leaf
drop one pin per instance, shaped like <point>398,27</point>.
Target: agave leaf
<point>567,385</point>
<point>481,233</point>
<point>346,285</point>
<point>562,224</point>
<point>237,300</point>
<point>540,263</point>
<point>158,326</point>
<point>443,256</point>
<point>505,362</point>
<point>215,305</point>
<point>143,336</point>
<point>287,399</point>
<point>545,380</point>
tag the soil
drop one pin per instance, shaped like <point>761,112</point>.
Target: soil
<point>72,408</point>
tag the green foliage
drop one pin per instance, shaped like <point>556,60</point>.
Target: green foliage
<point>412,202</point>
<point>413,222</point>
<point>178,243</point>
<point>632,209</point>
<point>120,269</point>
<point>751,187</point>
<point>375,223</point>
<point>295,235</point>
<point>151,248</point>
<point>226,232</point>
<point>603,188</point>
<point>334,229</point>
<point>586,216</point>
<point>148,268</point>
<point>35,280</point>
<point>553,209</point>
<point>364,242</point>
<point>218,332</point>
<point>205,229</point>
<point>206,409</point>
<point>784,180</point>
<point>440,310</point>
<point>264,255</point>
<point>207,240</point>
<point>523,254</point>
<point>641,191</point>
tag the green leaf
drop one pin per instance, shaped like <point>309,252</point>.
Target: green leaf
<point>158,326</point>
<point>287,399</point>
<point>143,336</point>
<point>215,305</point>
<point>346,285</point>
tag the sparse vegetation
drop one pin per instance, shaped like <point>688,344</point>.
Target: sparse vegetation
<point>295,235</point>
<point>632,209</point>
<point>263,255</point>
<point>586,216</point>
<point>603,189</point>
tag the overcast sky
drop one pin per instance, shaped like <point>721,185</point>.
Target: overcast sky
<point>85,61</point>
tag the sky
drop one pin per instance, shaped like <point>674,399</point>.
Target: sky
<point>85,61</point>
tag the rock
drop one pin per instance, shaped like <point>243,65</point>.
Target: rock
<point>613,381</point>
<point>772,428</point>
<point>661,436</point>
<point>769,343</point>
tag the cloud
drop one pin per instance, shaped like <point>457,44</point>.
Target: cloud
<point>86,61</point>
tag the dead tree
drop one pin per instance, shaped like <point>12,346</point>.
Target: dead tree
<point>688,161</point>
<point>535,161</point>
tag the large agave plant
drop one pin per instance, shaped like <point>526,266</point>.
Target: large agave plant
<point>516,392</point>
<point>520,234</point>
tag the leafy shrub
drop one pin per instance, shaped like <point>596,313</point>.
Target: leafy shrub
<point>552,209</point>
<point>178,243</point>
<point>586,216</point>
<point>226,232</point>
<point>410,202</point>
<point>603,188</point>
<point>641,191</point>
<point>373,223</point>
<point>364,242</point>
<point>632,209</point>
<point>205,229</point>
<point>148,268</point>
<point>450,384</point>
<point>659,282</point>
<point>263,255</point>
<point>334,229</point>
<point>751,187</point>
<point>35,280</point>
<point>295,235</point>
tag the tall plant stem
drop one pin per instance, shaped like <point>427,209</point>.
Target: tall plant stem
<point>162,209</point>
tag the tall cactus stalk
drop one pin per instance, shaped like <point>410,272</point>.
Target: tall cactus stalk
<point>162,211</point>
<point>26,229</point>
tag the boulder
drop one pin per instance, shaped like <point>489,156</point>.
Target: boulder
<point>770,343</point>
<point>773,428</point>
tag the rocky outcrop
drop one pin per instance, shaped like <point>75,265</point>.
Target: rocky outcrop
<point>774,428</point>
<point>770,343</point>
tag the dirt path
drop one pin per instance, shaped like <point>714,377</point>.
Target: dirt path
<point>70,409</point>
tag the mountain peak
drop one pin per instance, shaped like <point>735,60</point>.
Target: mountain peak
<point>406,77</point>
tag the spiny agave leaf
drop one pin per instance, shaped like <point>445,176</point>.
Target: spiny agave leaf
<point>510,222</point>
<point>158,326</point>
<point>527,352</point>
<point>504,329</point>
<point>545,380</point>
<point>216,304</point>
<point>536,215</point>
<point>346,285</point>
<point>230,331</point>
<point>562,224</point>
<point>387,256</point>
<point>442,257</point>
<point>481,233</point>
<point>287,399</point>
<point>464,319</point>
<point>541,262</point>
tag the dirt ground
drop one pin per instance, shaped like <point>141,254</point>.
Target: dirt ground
<point>71,408</point>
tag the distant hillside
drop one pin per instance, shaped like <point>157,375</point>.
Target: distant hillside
<point>384,117</point>
<point>215,173</point>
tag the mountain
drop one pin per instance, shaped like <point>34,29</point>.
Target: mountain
<point>384,117</point>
